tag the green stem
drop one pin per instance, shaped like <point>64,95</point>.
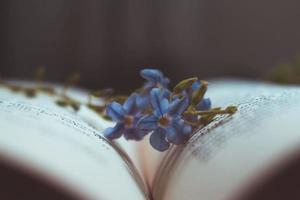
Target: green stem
<point>228,110</point>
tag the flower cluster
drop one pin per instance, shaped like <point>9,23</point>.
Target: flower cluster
<point>169,116</point>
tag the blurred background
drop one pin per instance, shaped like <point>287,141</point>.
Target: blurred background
<point>109,41</point>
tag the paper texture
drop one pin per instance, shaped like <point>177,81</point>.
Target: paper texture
<point>231,154</point>
<point>57,143</point>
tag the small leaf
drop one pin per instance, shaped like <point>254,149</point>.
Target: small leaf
<point>120,98</point>
<point>30,92</point>
<point>47,89</point>
<point>103,93</point>
<point>61,103</point>
<point>183,85</point>
<point>199,94</point>
<point>231,109</point>
<point>15,88</point>
<point>75,106</point>
<point>96,108</point>
<point>158,140</point>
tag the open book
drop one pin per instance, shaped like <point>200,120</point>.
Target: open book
<point>51,152</point>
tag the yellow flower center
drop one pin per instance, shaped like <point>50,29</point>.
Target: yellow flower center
<point>128,121</point>
<point>158,85</point>
<point>164,121</point>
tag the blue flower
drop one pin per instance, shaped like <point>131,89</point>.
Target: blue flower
<point>195,86</point>
<point>155,79</point>
<point>166,121</point>
<point>126,117</point>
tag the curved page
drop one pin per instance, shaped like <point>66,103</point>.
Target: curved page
<point>55,143</point>
<point>232,154</point>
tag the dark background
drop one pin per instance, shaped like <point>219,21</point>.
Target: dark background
<point>108,41</point>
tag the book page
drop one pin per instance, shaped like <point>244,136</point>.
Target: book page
<point>132,148</point>
<point>150,160</point>
<point>57,144</point>
<point>232,154</point>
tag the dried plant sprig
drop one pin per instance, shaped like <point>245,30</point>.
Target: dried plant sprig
<point>71,81</point>
<point>66,101</point>
<point>31,91</point>
<point>228,110</point>
<point>286,73</point>
<point>184,85</point>
<point>40,78</point>
<point>199,93</point>
<point>170,117</point>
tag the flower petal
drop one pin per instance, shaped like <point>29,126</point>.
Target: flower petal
<point>205,104</point>
<point>143,101</point>
<point>160,105</point>
<point>115,111</point>
<point>166,93</point>
<point>165,82</point>
<point>190,118</point>
<point>178,132</point>
<point>196,85</point>
<point>152,74</point>
<point>172,135</point>
<point>186,130</point>
<point>148,85</point>
<point>130,104</point>
<point>148,122</point>
<point>178,106</point>
<point>158,140</point>
<point>134,134</point>
<point>114,132</point>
